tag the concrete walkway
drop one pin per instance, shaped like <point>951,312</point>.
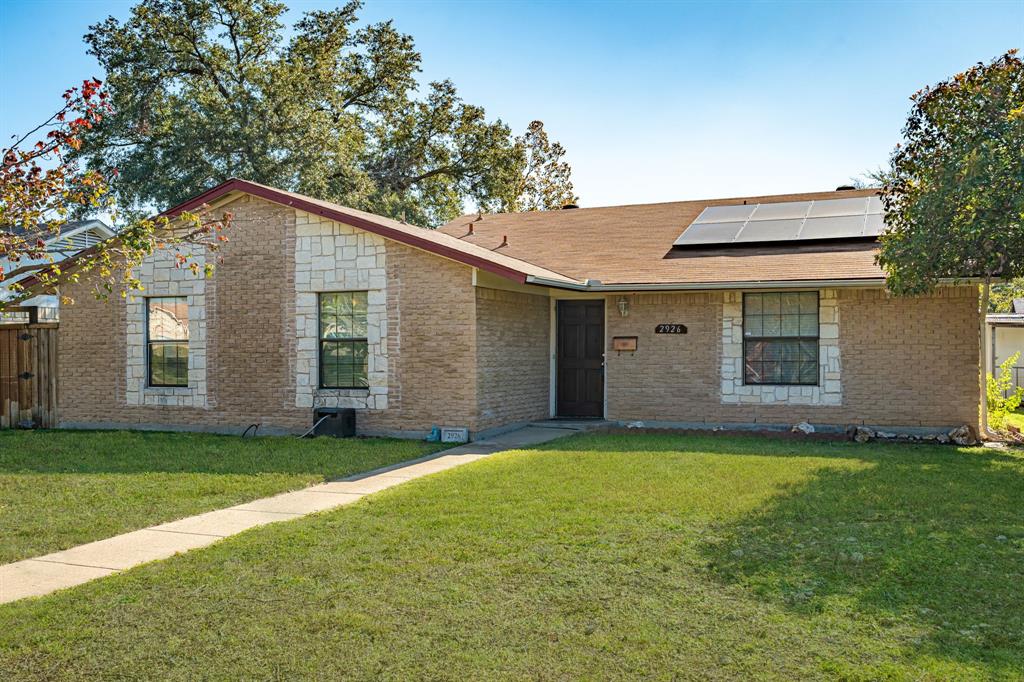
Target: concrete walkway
<point>42,575</point>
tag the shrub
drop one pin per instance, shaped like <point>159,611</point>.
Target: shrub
<point>1001,400</point>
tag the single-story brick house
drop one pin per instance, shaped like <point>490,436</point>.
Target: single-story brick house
<point>667,313</point>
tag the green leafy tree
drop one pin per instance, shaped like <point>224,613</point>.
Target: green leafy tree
<point>204,90</point>
<point>954,190</point>
<point>1003,295</point>
<point>544,181</point>
<point>42,186</point>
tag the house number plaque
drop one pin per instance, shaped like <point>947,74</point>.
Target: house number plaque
<point>670,329</point>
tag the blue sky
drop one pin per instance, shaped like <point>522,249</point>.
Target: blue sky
<point>655,101</point>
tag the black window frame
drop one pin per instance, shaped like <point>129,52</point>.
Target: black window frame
<point>789,338</point>
<point>150,343</point>
<point>322,342</point>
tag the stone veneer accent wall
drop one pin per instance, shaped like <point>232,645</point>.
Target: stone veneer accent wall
<point>161,278</point>
<point>829,389</point>
<point>331,256</point>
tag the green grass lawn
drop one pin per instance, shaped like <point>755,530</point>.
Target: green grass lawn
<point>594,557</point>
<point>1016,419</point>
<point>59,489</point>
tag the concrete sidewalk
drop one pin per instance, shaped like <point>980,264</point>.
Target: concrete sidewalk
<point>42,575</point>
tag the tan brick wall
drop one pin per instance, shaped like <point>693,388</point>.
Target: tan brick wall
<point>91,361</point>
<point>911,360</point>
<point>250,344</point>
<point>513,351</point>
<point>250,307</point>
<point>431,344</point>
<point>905,362</point>
<point>479,358</point>
<point>671,377</point>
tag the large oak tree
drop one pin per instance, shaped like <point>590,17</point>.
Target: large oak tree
<point>203,90</point>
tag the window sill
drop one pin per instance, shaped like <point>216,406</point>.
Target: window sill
<point>168,390</point>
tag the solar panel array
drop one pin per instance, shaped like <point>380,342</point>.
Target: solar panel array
<point>848,218</point>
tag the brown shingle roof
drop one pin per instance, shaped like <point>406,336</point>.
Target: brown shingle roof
<point>429,240</point>
<point>436,242</point>
<point>633,245</point>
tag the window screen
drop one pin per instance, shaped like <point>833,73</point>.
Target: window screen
<point>167,340</point>
<point>780,338</point>
<point>343,347</point>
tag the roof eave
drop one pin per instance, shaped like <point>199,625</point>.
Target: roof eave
<point>270,194</point>
<point>590,285</point>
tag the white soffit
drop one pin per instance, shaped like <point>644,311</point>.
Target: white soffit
<point>787,221</point>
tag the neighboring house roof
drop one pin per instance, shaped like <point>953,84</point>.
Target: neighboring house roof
<point>633,245</point>
<point>1005,319</point>
<point>75,237</point>
<point>68,232</point>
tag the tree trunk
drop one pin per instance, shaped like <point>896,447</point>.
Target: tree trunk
<point>983,433</point>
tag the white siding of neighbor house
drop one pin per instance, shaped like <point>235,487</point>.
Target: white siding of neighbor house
<point>1008,340</point>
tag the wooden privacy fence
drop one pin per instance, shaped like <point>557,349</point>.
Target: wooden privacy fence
<point>28,375</point>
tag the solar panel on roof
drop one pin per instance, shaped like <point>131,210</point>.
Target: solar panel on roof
<point>833,227</point>
<point>788,210</point>
<point>874,225</point>
<point>713,233</point>
<point>725,214</point>
<point>838,207</point>
<point>769,230</point>
<point>786,221</point>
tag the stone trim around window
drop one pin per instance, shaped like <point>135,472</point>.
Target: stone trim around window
<point>332,256</point>
<point>161,278</point>
<point>828,392</point>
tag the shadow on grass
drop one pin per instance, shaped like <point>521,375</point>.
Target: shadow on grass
<point>133,452</point>
<point>926,538</point>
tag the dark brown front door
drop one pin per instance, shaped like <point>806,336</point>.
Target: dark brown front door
<point>580,358</point>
